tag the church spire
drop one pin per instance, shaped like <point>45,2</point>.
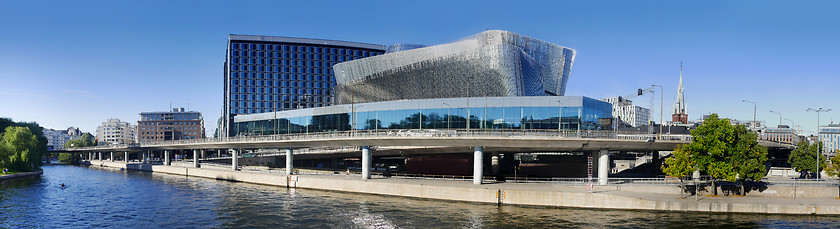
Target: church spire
<point>679,114</point>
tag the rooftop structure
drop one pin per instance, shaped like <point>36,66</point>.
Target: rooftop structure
<point>492,63</point>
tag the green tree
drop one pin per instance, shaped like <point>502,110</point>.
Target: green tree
<point>833,169</point>
<point>20,149</point>
<point>84,141</point>
<point>680,164</point>
<point>724,151</point>
<point>804,157</point>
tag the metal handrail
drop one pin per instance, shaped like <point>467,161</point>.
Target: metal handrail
<point>413,133</point>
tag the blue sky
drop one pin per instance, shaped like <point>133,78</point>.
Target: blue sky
<point>78,63</point>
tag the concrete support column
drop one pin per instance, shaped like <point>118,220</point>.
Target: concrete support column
<point>166,160</point>
<point>603,166</point>
<point>100,156</point>
<point>202,154</point>
<point>365,162</point>
<point>494,164</point>
<point>112,156</point>
<point>289,162</point>
<point>478,164</point>
<point>126,157</point>
<point>235,159</point>
<point>195,159</point>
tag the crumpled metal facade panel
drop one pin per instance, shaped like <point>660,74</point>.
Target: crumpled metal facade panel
<point>492,63</point>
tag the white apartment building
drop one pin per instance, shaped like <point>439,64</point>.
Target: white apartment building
<point>830,137</point>
<point>57,138</point>
<point>624,110</point>
<point>114,132</point>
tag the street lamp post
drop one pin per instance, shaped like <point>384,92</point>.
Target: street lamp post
<point>818,136</point>
<point>469,85</point>
<point>559,116</point>
<point>780,117</point>
<point>448,114</point>
<point>661,108</point>
<point>755,126</point>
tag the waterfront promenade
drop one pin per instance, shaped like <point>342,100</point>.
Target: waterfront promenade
<point>531,194</point>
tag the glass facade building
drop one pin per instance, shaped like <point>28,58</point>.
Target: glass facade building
<point>491,113</point>
<point>492,63</point>
<point>267,73</point>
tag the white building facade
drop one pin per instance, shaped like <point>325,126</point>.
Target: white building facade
<point>115,132</point>
<point>830,137</point>
<point>624,110</point>
<point>57,138</point>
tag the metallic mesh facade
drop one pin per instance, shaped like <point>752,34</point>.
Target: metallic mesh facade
<point>492,63</point>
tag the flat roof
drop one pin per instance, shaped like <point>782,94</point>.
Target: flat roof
<point>298,40</point>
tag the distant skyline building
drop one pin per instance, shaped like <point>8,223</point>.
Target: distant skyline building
<point>624,110</point>
<point>270,73</point>
<point>57,138</point>
<point>679,115</point>
<point>782,133</point>
<point>175,125</point>
<point>115,132</point>
<point>830,136</point>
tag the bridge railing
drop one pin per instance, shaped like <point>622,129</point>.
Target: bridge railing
<point>416,133</point>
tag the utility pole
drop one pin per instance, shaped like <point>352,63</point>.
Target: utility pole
<point>818,136</point>
<point>661,98</point>
<point>780,117</point>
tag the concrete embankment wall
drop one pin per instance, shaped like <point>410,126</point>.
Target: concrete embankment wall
<point>19,175</point>
<point>604,199</point>
<point>768,191</point>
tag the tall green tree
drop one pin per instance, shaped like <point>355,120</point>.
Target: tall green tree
<point>722,151</point>
<point>804,157</point>
<point>20,149</point>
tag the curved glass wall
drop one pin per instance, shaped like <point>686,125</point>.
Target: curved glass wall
<point>583,114</point>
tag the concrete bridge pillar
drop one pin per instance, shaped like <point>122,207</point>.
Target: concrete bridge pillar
<point>202,153</point>
<point>603,166</point>
<point>195,159</point>
<point>289,162</point>
<point>126,157</point>
<point>112,156</point>
<point>235,159</point>
<point>145,157</point>
<point>365,162</point>
<point>478,164</point>
<point>99,154</point>
<point>166,156</point>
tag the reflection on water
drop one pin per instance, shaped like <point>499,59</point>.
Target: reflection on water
<point>101,197</point>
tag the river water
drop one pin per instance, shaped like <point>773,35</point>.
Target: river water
<point>104,197</point>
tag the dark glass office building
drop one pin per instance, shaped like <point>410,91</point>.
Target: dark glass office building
<point>267,73</point>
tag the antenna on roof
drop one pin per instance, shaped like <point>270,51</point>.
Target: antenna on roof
<point>170,105</point>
